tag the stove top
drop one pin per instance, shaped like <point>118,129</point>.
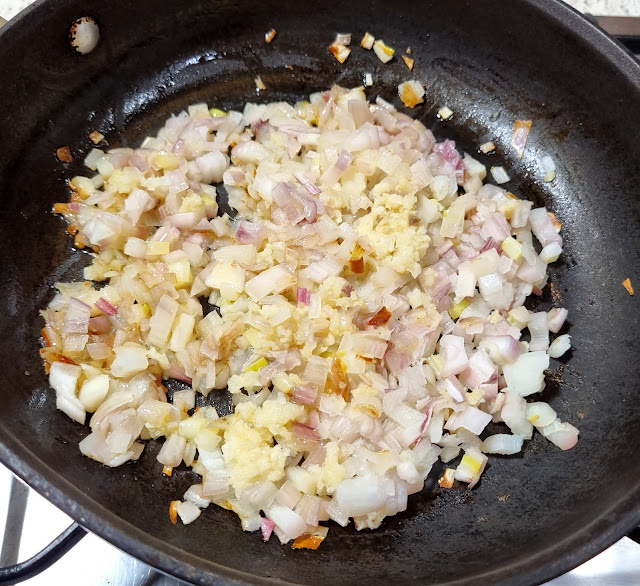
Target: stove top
<point>94,562</point>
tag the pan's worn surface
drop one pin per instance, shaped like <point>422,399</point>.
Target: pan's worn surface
<point>491,62</point>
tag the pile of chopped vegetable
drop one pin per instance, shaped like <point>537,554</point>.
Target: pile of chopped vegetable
<point>364,309</point>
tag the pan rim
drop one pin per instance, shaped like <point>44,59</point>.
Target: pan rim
<point>565,555</point>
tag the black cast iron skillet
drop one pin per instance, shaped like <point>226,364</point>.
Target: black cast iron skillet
<point>532,517</point>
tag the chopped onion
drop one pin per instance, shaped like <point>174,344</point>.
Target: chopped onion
<point>340,52</point>
<point>556,318</point>
<point>290,524</point>
<point>526,375</point>
<point>543,228</point>
<point>502,443</point>
<point>382,51</point>
<point>367,41</point>
<point>519,136</point>
<point>540,414</point>
<point>364,308</point>
<point>514,414</point>
<point>559,346</point>
<point>411,93</point>
<point>105,307</point>
<point>471,418</point>
<point>304,432</point>
<point>303,296</point>
<point>266,528</point>
<point>565,438</point>
<point>500,176</point>
<point>359,496</point>
<point>188,512</point>
<point>487,147</point>
<point>445,112</point>
<point>548,168</point>
<point>305,394</point>
<point>539,329</point>
<point>454,355</point>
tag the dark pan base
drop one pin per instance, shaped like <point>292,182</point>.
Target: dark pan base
<point>491,62</point>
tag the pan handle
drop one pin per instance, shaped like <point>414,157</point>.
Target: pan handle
<point>45,558</point>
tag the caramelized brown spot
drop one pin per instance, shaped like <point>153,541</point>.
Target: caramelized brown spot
<point>45,338</point>
<point>380,318</point>
<point>556,224</point>
<point>447,478</point>
<point>64,154</point>
<point>49,355</point>
<point>173,511</point>
<point>95,137</point>
<point>78,242</point>
<point>408,62</point>
<point>337,383</point>
<point>307,541</point>
<point>357,266</point>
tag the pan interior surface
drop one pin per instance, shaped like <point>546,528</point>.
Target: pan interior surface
<point>532,516</point>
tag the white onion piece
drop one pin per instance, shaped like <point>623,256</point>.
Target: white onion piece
<point>500,176</point>
<point>548,167</point>
<point>162,320</point>
<point>274,280</point>
<point>526,375</point>
<point>287,521</point>
<point>514,414</point>
<point>565,438</point>
<point>556,318</point>
<point>172,451</point>
<point>539,330</point>
<point>322,269</point>
<point>454,355</point>
<point>130,359</point>
<point>454,389</point>
<point>188,512</point>
<point>360,496</point>
<point>502,443</point>
<point>480,370</point>
<point>194,494</point>
<point>93,392</point>
<point>502,349</point>
<point>559,346</point>
<point>543,228</point>
<point>76,320</point>
<point>540,414</point>
<point>551,252</point>
<point>64,379</point>
<point>211,166</point>
<point>471,467</point>
<point>288,495</point>
<point>471,418</point>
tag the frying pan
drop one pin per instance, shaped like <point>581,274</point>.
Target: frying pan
<point>533,516</point>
